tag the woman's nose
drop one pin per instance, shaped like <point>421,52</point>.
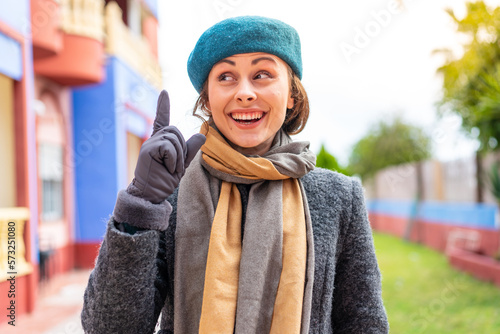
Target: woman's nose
<point>245,92</point>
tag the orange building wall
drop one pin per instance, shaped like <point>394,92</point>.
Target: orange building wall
<point>54,125</point>
<point>150,31</point>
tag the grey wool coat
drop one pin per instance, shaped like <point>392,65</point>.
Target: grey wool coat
<point>132,282</point>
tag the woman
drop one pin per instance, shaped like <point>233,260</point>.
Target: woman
<point>250,238</point>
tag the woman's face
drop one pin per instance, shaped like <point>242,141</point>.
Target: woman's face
<point>248,95</point>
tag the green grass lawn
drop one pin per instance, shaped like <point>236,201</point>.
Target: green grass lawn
<point>423,294</point>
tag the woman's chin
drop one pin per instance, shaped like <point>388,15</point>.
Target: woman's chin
<point>251,146</point>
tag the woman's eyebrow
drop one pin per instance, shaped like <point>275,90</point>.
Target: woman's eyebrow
<point>230,62</point>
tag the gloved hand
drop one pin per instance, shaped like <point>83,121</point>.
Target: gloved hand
<point>164,157</point>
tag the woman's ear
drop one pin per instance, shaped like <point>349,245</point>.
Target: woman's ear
<point>291,102</point>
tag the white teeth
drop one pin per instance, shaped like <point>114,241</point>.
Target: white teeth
<point>246,116</point>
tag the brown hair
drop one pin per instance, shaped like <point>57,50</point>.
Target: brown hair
<point>295,119</point>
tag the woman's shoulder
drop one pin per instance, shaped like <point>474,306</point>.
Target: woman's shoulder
<point>321,183</point>
<point>321,177</point>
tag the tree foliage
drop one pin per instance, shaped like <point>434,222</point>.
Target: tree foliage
<point>326,160</point>
<point>388,143</point>
<point>494,180</point>
<point>471,83</point>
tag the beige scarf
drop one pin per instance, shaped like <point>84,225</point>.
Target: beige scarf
<point>255,283</point>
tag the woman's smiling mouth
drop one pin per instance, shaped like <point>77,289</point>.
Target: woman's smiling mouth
<point>247,118</point>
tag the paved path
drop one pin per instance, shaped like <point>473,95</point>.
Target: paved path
<point>58,307</point>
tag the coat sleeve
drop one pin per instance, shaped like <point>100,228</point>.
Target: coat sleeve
<point>358,306</point>
<point>127,287</point>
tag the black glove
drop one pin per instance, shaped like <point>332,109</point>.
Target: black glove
<point>164,157</point>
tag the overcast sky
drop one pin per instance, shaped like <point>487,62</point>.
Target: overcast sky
<point>363,60</point>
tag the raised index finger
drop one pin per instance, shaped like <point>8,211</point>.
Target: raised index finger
<point>162,118</point>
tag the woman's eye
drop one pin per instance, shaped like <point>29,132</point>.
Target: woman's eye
<point>225,77</point>
<point>263,75</point>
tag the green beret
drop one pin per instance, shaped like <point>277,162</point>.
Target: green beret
<point>243,34</point>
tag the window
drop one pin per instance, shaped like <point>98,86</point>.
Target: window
<point>51,176</point>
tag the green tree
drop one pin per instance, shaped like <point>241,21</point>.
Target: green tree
<point>388,143</point>
<point>326,160</point>
<point>471,83</point>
